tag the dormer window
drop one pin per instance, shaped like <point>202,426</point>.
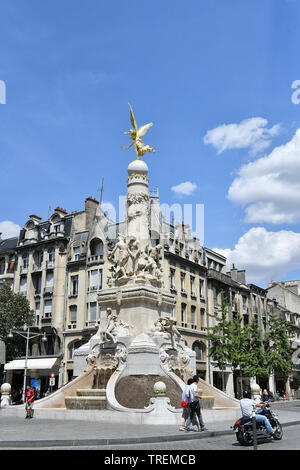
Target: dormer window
<point>57,228</point>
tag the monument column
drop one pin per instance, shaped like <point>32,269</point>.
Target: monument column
<point>137,203</point>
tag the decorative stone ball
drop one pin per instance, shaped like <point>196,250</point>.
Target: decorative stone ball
<point>137,167</point>
<point>159,388</point>
<point>5,388</point>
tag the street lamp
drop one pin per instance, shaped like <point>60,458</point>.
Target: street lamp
<point>27,336</point>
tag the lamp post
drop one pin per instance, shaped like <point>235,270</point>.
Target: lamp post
<point>28,336</point>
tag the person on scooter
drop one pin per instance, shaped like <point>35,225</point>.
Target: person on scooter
<point>247,404</point>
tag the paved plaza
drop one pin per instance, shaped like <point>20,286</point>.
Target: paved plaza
<point>18,432</point>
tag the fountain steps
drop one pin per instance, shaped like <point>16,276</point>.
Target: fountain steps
<point>87,399</point>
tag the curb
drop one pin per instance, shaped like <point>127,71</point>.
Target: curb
<point>121,441</point>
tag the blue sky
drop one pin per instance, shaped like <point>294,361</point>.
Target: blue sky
<point>215,79</point>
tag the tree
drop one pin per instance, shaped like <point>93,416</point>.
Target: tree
<point>14,314</point>
<point>279,351</point>
<point>218,336</point>
<point>256,361</point>
<point>238,345</point>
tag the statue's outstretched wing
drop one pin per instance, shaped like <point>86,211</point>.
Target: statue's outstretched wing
<point>143,129</point>
<point>132,119</point>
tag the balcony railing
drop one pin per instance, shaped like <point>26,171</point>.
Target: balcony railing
<point>95,259</point>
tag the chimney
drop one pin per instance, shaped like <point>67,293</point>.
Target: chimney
<point>59,210</point>
<point>35,218</point>
<point>241,276</point>
<point>91,205</point>
<point>233,273</point>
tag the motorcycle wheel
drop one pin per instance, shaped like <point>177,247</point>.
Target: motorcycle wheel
<point>278,433</point>
<point>245,439</point>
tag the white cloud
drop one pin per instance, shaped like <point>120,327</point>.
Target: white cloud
<point>269,187</point>
<point>9,229</point>
<point>185,189</point>
<point>265,255</point>
<point>250,133</point>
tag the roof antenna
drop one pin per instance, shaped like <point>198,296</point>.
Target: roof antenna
<point>101,191</point>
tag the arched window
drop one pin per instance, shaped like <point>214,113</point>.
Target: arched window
<point>96,247</point>
<point>73,346</point>
<point>199,349</point>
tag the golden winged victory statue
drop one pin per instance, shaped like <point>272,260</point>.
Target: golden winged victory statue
<point>136,134</point>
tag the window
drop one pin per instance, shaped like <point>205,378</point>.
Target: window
<point>193,317</point>
<point>40,258</point>
<point>74,285</point>
<point>202,318</point>
<point>23,285</point>
<point>96,247</point>
<point>182,282</point>
<point>173,312</point>
<point>73,346</point>
<point>76,252</point>
<point>93,311</point>
<point>199,349</point>
<point>37,283</point>
<point>49,279</point>
<point>51,258</point>
<point>57,228</point>
<point>37,313</point>
<point>183,315</point>
<point>73,314</point>
<point>25,261</point>
<point>215,296</point>
<point>192,281</point>
<point>95,279</point>
<point>172,278</point>
<point>48,308</point>
<point>201,285</point>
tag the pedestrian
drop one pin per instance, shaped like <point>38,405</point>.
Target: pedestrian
<point>185,405</point>
<point>194,406</point>
<point>29,400</point>
<point>265,395</point>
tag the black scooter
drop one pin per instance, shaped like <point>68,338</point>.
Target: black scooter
<point>244,430</point>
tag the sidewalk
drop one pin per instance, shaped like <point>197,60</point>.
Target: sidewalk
<point>15,431</point>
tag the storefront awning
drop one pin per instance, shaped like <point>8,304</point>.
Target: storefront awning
<point>39,363</point>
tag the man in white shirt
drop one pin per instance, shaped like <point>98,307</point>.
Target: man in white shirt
<point>247,405</point>
<point>194,405</point>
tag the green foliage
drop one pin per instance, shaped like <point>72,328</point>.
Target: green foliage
<point>14,314</point>
<point>279,351</point>
<point>218,335</point>
<point>256,361</point>
<point>238,343</point>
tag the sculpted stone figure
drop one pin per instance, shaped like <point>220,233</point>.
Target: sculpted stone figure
<point>119,257</point>
<point>172,330</point>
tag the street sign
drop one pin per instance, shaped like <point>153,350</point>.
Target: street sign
<point>52,382</point>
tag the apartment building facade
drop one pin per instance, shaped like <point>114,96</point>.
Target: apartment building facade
<point>62,264</point>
